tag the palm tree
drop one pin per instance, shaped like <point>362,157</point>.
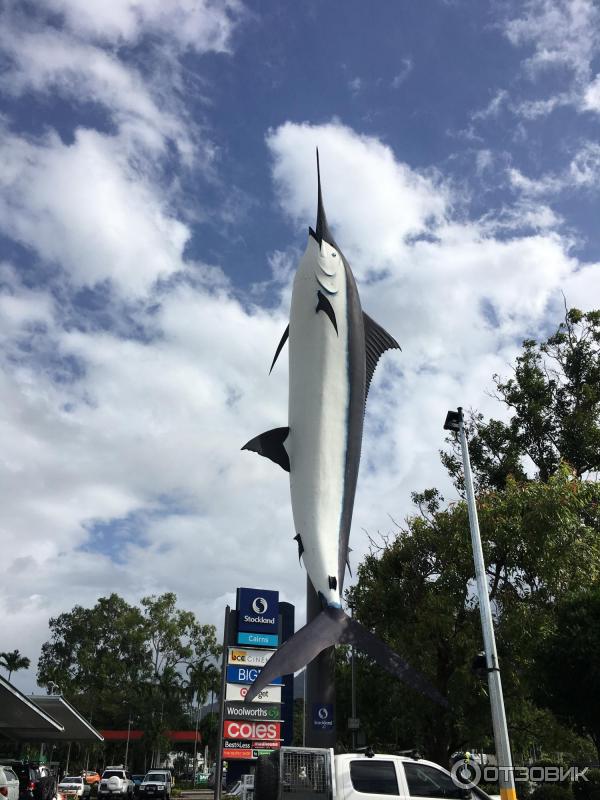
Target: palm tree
<point>13,662</point>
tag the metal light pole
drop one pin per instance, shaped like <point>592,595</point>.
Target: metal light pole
<point>196,742</point>
<point>353,690</point>
<point>454,422</point>
<point>128,734</point>
<point>219,754</point>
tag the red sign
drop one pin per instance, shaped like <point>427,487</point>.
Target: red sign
<point>238,729</point>
<point>272,744</point>
<point>230,754</point>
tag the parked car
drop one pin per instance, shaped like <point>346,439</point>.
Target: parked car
<point>9,783</point>
<point>157,783</point>
<point>91,777</point>
<point>73,786</point>
<point>36,782</point>
<point>116,781</point>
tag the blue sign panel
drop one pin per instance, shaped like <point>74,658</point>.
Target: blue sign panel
<point>258,610</point>
<point>323,716</point>
<point>258,639</point>
<point>246,675</point>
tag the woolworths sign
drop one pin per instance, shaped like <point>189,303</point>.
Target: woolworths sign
<point>260,711</point>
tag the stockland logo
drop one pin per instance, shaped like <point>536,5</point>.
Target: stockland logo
<point>259,605</point>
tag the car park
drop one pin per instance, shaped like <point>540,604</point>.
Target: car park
<point>9,784</point>
<point>157,783</point>
<point>73,786</point>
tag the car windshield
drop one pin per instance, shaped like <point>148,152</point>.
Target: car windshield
<point>156,776</point>
<point>72,779</point>
<point>112,773</point>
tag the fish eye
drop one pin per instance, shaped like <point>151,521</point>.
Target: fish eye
<point>333,255</point>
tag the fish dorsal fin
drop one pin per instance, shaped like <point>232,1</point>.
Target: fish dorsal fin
<point>282,341</point>
<point>270,445</point>
<point>377,341</point>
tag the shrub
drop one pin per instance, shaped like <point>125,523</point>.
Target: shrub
<point>551,791</point>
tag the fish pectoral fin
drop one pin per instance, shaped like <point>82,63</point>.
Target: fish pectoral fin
<point>377,341</point>
<point>332,626</point>
<point>270,445</point>
<point>323,304</point>
<point>282,341</point>
<point>358,636</point>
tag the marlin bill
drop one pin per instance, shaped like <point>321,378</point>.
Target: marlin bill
<point>334,348</point>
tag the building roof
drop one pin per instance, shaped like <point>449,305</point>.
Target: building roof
<point>76,728</point>
<point>21,717</point>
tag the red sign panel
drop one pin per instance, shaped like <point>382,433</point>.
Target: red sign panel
<point>238,729</point>
<point>272,744</point>
<point>231,754</point>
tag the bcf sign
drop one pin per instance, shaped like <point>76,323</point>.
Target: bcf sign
<point>236,729</point>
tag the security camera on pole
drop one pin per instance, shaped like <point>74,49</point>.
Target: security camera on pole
<point>454,422</point>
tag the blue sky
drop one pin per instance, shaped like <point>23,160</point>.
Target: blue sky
<point>158,181</point>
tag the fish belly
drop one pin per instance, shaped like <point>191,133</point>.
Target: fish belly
<point>318,419</point>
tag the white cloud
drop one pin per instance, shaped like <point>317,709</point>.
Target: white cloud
<point>107,222</point>
<point>557,36</point>
<point>584,169</point>
<point>564,36</point>
<point>400,77</point>
<point>591,96</point>
<point>355,85</point>
<point>201,25</point>
<point>396,202</point>
<point>50,61</point>
<point>563,33</point>
<point>493,108</point>
<point>583,172</point>
<point>150,431</point>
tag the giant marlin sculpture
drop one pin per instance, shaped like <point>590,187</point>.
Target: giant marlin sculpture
<point>334,348</point>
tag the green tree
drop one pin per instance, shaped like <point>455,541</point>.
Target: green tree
<point>98,655</point>
<point>115,660</point>
<point>416,589</point>
<point>568,664</point>
<point>554,400</point>
<point>13,661</point>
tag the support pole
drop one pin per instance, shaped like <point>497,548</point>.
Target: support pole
<point>319,684</point>
<point>128,734</point>
<point>219,753</point>
<point>507,782</point>
<point>195,743</point>
<point>353,689</point>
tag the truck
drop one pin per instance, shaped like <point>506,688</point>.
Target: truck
<point>304,773</point>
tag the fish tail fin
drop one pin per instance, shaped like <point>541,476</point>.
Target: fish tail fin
<point>332,626</point>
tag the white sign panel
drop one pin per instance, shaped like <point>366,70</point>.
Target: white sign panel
<point>237,691</point>
<point>245,656</point>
